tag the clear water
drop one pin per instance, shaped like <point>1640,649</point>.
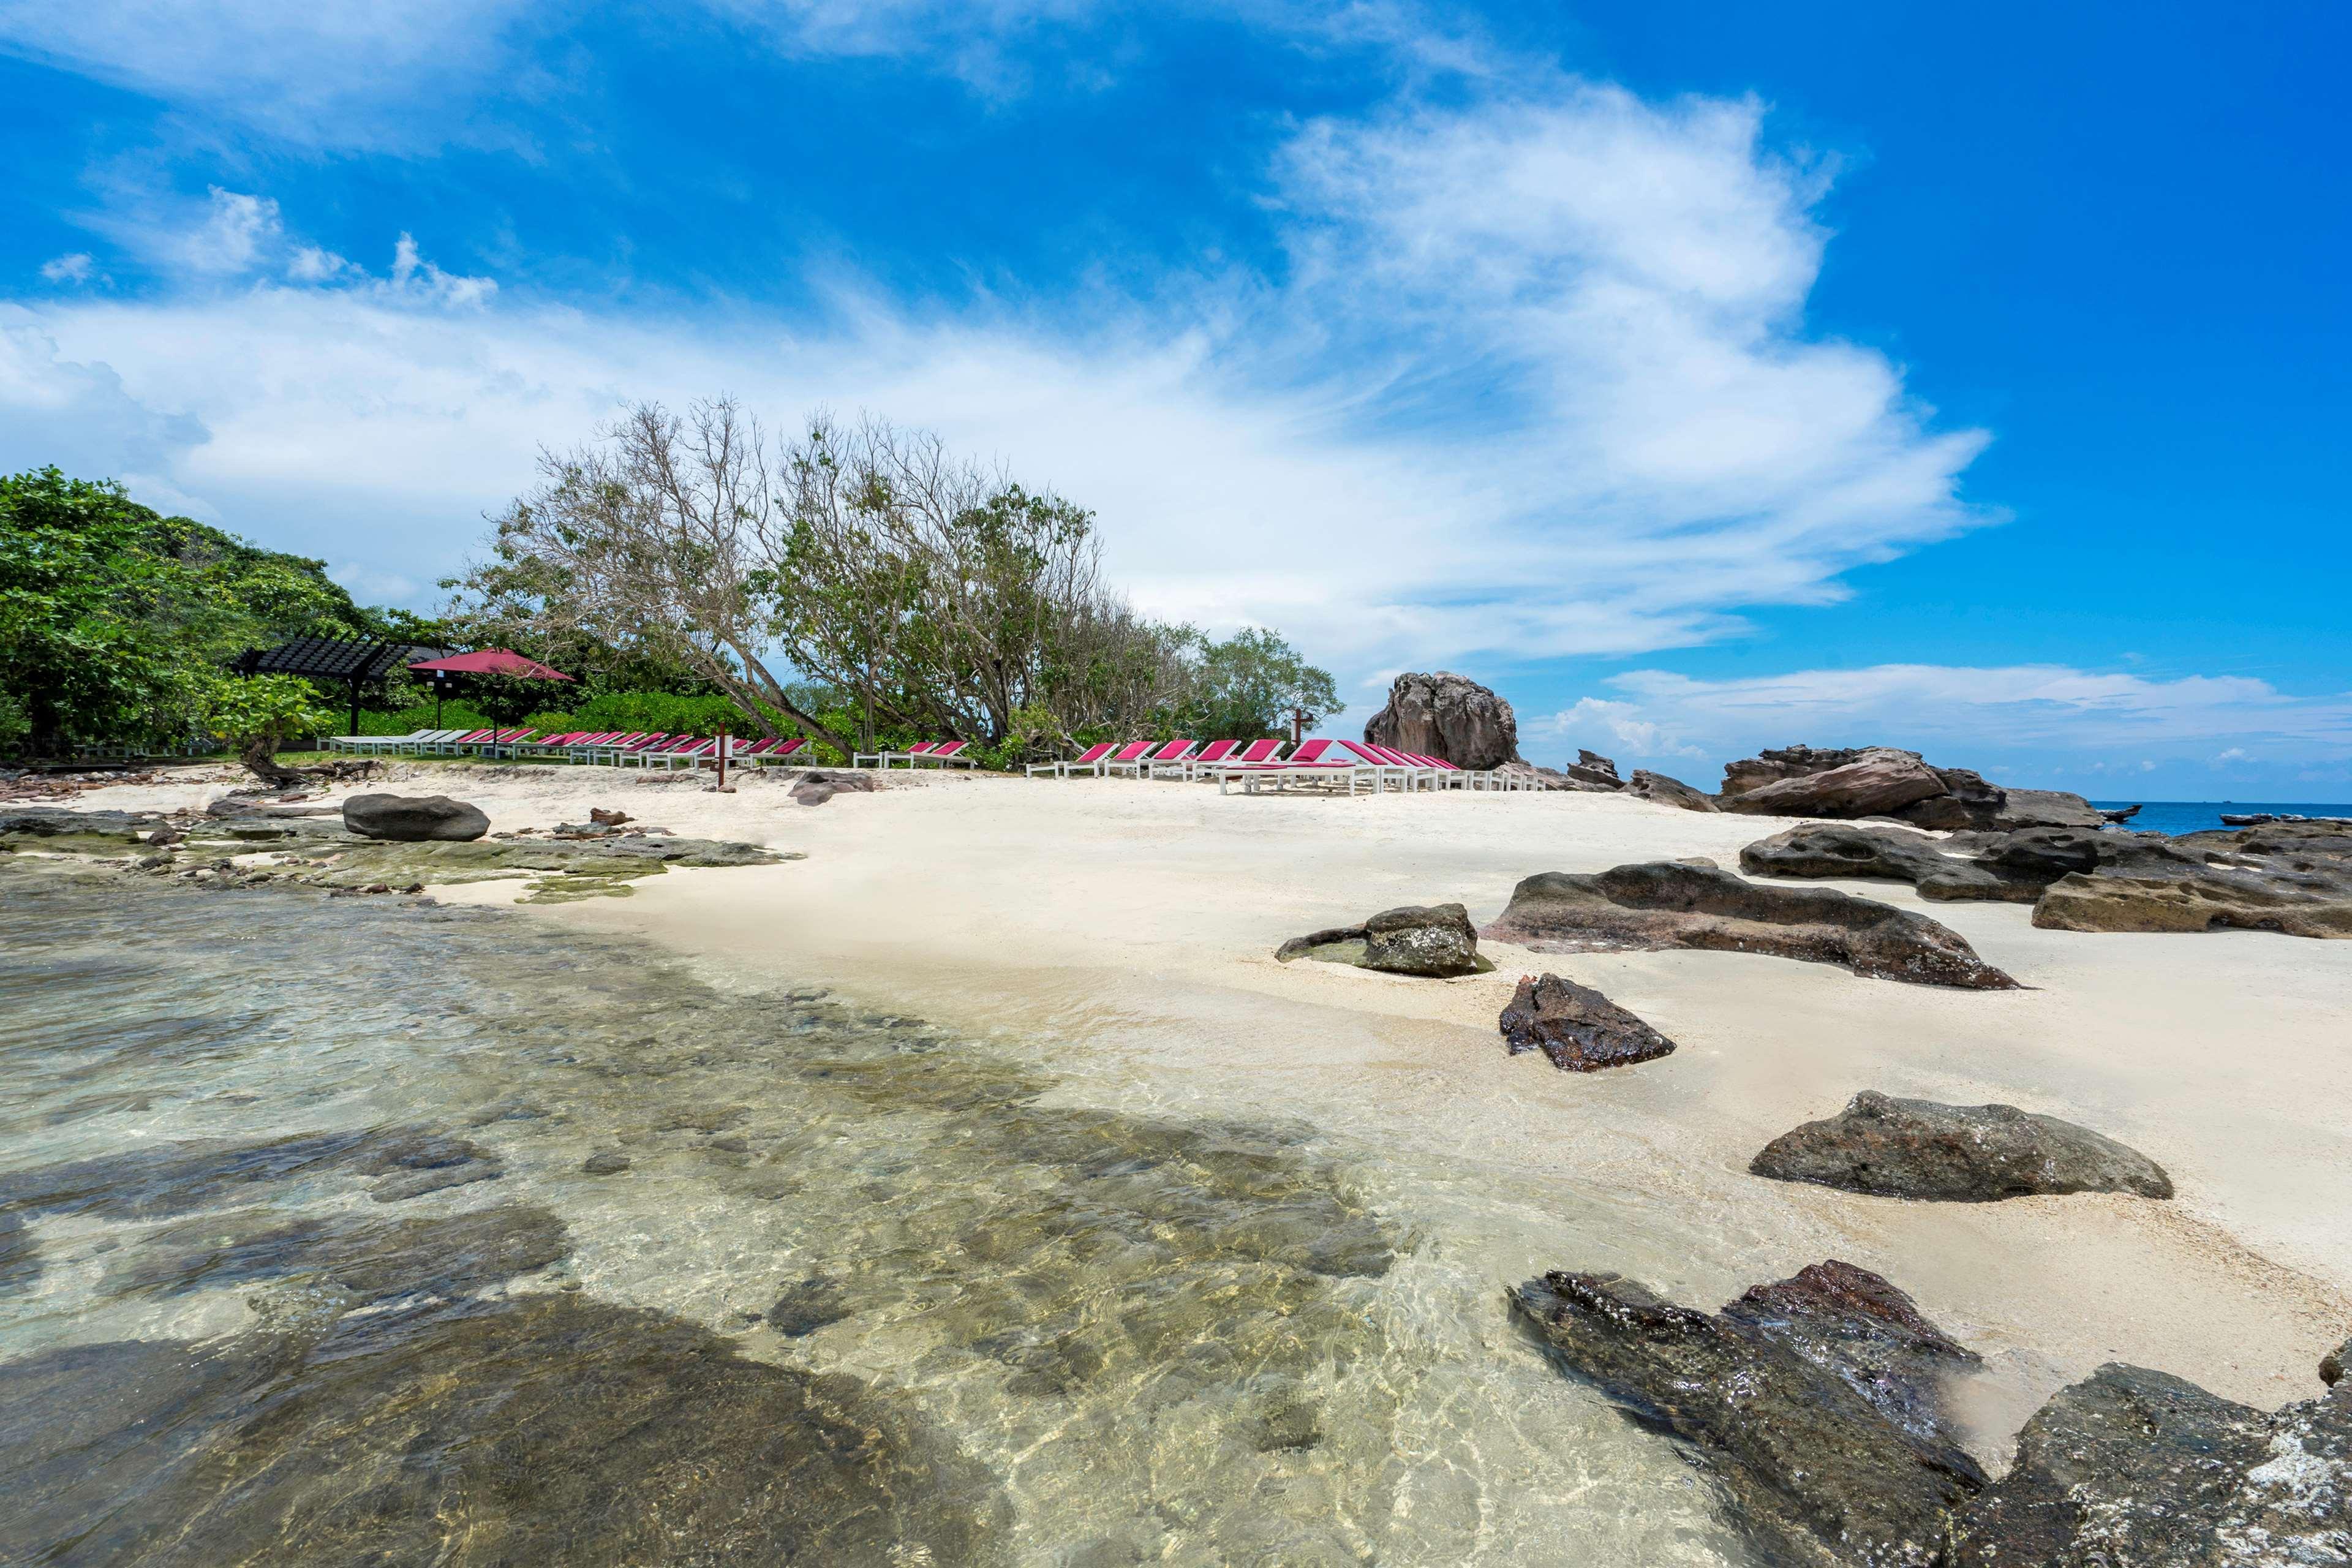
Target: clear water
<point>312,1249</point>
<point>2197,815</point>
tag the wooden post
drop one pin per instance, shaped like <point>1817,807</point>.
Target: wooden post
<point>722,756</point>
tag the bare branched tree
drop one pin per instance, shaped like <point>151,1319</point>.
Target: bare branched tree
<point>660,534</point>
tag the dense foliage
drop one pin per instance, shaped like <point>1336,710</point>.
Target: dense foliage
<point>917,594</point>
<point>116,621</point>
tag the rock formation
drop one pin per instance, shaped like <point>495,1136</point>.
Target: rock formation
<point>2132,1467</point>
<point>1877,783</point>
<point>415,819</point>
<point>1593,771</point>
<point>1445,715</point>
<point>1578,1028</point>
<point>1667,791</point>
<point>1873,779</point>
<point>1818,1405</point>
<point>1665,904</point>
<point>1815,1402</point>
<point>2291,878</point>
<point>1956,1154</point>
<point>1434,943</point>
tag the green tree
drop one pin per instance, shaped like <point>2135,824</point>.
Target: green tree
<point>1254,683</point>
<point>259,714</point>
<point>113,616</point>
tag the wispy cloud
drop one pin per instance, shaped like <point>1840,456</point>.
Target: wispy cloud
<point>1574,412</point>
<point>73,269</point>
<point>1957,712</point>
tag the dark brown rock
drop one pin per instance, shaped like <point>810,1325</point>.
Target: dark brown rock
<point>1879,781</point>
<point>1660,904</point>
<point>1667,791</point>
<point>1956,1154</point>
<point>412,819</point>
<point>1449,716</point>
<point>1437,941</point>
<point>1578,1028</point>
<point>1816,1403</point>
<point>2295,879</point>
<point>2331,1365</point>
<point>2131,1466</point>
<point>1593,771</point>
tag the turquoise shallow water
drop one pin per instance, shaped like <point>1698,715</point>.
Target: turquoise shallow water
<point>354,1231</point>
<point>2197,815</point>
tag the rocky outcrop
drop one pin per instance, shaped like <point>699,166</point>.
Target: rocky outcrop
<point>1956,1154</point>
<point>1819,1406</point>
<point>415,819</point>
<point>1593,771</point>
<point>1666,791</point>
<point>2133,1467</point>
<point>1877,783</point>
<point>1434,943</point>
<point>1578,1028</point>
<point>1445,715</point>
<point>1665,904</point>
<point>816,786</point>
<point>2013,867</point>
<point>1871,780</point>
<point>2295,879</point>
<point>1815,1404</point>
<point>2332,1365</point>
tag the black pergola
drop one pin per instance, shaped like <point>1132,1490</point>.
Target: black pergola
<point>351,660</point>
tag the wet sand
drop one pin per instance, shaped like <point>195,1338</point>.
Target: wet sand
<point>1124,931</point>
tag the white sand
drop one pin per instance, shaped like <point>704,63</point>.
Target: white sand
<point>1125,930</point>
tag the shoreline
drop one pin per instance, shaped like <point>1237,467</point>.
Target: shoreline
<point>1125,931</point>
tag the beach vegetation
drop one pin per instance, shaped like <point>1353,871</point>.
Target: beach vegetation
<point>864,585</point>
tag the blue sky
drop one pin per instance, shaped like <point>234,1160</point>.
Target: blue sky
<point>1706,377</point>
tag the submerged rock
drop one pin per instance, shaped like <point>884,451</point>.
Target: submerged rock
<point>1665,904</point>
<point>547,1428</point>
<point>2133,1467</point>
<point>1956,1154</point>
<point>606,1163</point>
<point>1816,1403</point>
<point>1578,1028</point>
<point>1437,941</point>
<point>415,818</point>
<point>1449,716</point>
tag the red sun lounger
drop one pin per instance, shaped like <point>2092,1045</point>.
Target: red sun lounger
<point>1085,760</point>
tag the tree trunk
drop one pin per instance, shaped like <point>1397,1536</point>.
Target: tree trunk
<point>261,758</point>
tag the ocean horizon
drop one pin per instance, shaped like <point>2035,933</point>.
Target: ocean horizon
<point>2176,816</point>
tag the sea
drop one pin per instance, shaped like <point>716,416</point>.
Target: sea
<point>344,1231</point>
<point>2196,815</point>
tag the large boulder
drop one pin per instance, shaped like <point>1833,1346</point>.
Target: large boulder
<point>2013,867</point>
<point>1846,849</point>
<point>1449,716</point>
<point>1578,1028</point>
<point>2295,879</point>
<point>2133,1467</point>
<point>1669,904</point>
<point>1667,791</point>
<point>1817,1404</point>
<point>1956,1154</point>
<point>414,819</point>
<point>1878,782</point>
<point>1959,799</point>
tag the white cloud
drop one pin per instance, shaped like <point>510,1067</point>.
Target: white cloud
<point>340,74</point>
<point>1957,714</point>
<point>230,238</point>
<point>310,264</point>
<point>1575,415</point>
<point>74,268</point>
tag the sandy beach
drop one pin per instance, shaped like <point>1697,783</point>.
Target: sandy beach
<point>1125,932</point>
